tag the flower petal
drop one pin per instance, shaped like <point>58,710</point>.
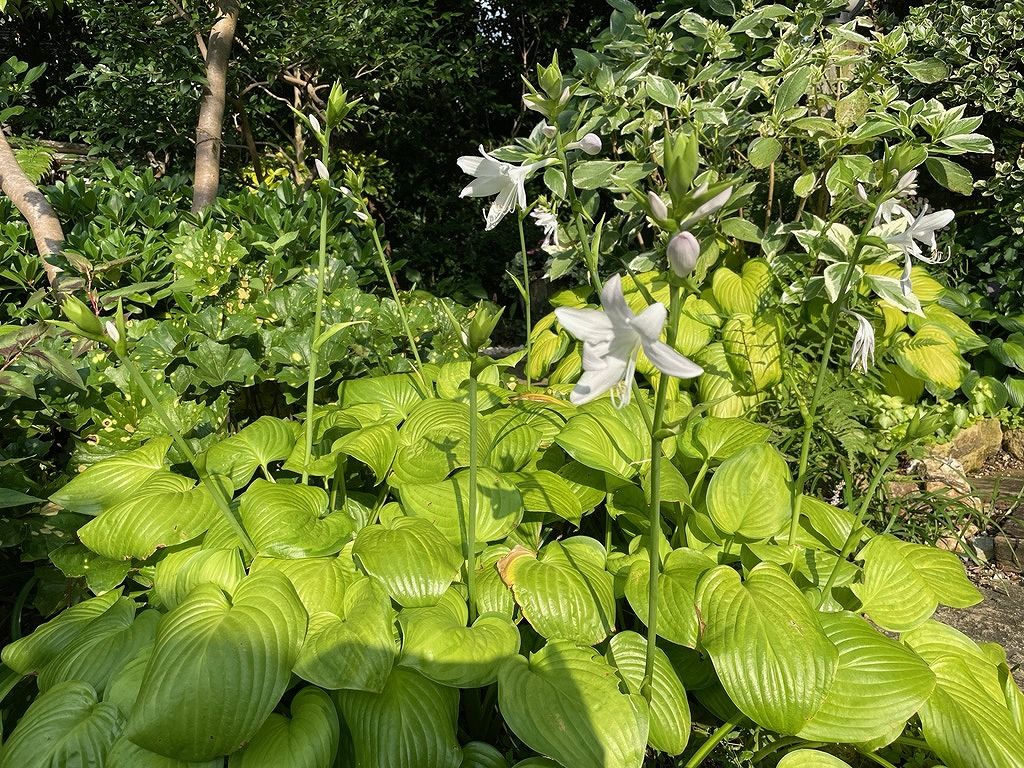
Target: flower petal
<point>502,204</point>
<point>587,325</point>
<point>650,322</point>
<point>483,186</point>
<point>614,302</point>
<point>593,384</point>
<point>667,360</point>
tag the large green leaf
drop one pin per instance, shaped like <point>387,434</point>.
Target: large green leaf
<point>396,393</point>
<point>716,438</point>
<point>102,648</point>
<point>753,351</point>
<point>414,560</point>
<point>410,722</point>
<point>434,441</point>
<point>904,583</point>
<point>811,758</point>
<point>477,754</point>
<point>352,646</point>
<point>112,480</point>
<point>678,621</point>
<point>767,644</point>
<point>66,727</point>
<point>219,668</point>
<point>144,523</point>
<point>547,492</point>
<point>374,445</point>
<point>966,719</point>
<point>264,441</point>
<point>566,704</point>
<point>30,654</point>
<point>293,520</point>
<point>178,572</point>
<point>669,710</point>
<point>308,739</point>
<point>741,293</point>
<point>930,355</point>
<point>605,438</point>
<point>564,591</point>
<point>492,594</point>
<point>513,440</point>
<point>127,754</point>
<point>879,685</point>
<point>101,574</point>
<point>321,582</point>
<point>446,504</point>
<point>749,496</point>
<point>437,643</point>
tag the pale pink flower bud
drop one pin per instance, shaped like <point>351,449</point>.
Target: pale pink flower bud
<point>591,144</point>
<point>658,208</point>
<point>683,251</point>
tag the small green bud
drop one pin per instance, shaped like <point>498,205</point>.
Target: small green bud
<point>83,318</point>
<point>550,78</point>
<point>338,106</point>
<point>482,326</point>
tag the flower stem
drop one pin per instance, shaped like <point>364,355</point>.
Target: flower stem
<point>215,489</point>
<point>714,740</point>
<point>527,302</point>
<point>318,310</point>
<point>581,230</point>
<point>469,545</point>
<point>398,301</point>
<point>654,513</point>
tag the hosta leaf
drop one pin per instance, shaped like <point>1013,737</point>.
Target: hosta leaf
<point>717,386</point>
<point>753,351</point>
<point>410,722</point>
<point>965,720</point>
<point>178,572</point>
<point>749,493</point>
<point>811,758</point>
<point>396,393</point>
<point>904,583</point>
<point>102,649</point>
<point>741,293</point>
<point>220,648</point>
<point>292,520</point>
<point>29,654</point>
<point>545,491</point>
<point>677,585</point>
<point>879,684</point>
<point>446,505</point>
<point>768,647</point>
<point>308,739</point>
<point>669,710</point>
<point>604,438</point>
<point>434,441</point>
<point>492,594</point>
<point>101,574</point>
<point>264,441</point>
<point>564,591</point>
<point>414,560</point>
<point>144,523</point>
<point>437,643</point>
<point>477,754</point>
<point>587,484</point>
<point>718,438</point>
<point>320,582</point>
<point>352,646</point>
<point>127,754</point>
<point>66,726</point>
<point>375,446</point>
<point>565,703</point>
<point>111,480</point>
<point>930,355</point>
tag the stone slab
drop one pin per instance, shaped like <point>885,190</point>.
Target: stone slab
<point>998,619</point>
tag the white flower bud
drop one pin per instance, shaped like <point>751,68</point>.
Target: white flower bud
<point>658,208</point>
<point>591,144</point>
<point>314,123</point>
<point>563,99</point>
<point>683,251</point>
<point>321,170</point>
<point>112,331</point>
<point>549,131</point>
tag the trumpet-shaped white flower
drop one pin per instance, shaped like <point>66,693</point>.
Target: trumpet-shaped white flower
<point>496,177</point>
<point>863,352</point>
<point>611,341</point>
<point>549,223</point>
<point>706,209</point>
<point>920,229</point>
<point>905,187</point>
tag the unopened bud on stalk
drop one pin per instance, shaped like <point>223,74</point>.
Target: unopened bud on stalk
<point>321,170</point>
<point>112,332</point>
<point>683,251</point>
<point>314,123</point>
<point>591,144</point>
<point>658,208</point>
<point>549,131</point>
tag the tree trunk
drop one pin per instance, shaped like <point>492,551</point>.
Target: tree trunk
<point>34,207</point>
<point>211,110</point>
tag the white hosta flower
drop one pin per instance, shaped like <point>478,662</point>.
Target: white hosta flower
<point>549,223</point>
<point>905,188</point>
<point>591,144</point>
<point>496,177</point>
<point>920,229</point>
<point>321,169</point>
<point>863,352</point>
<point>611,341</point>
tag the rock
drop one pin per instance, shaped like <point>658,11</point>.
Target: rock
<point>900,486</point>
<point>1013,442</point>
<point>985,548</point>
<point>961,544</point>
<point>1009,553</point>
<point>972,446</point>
